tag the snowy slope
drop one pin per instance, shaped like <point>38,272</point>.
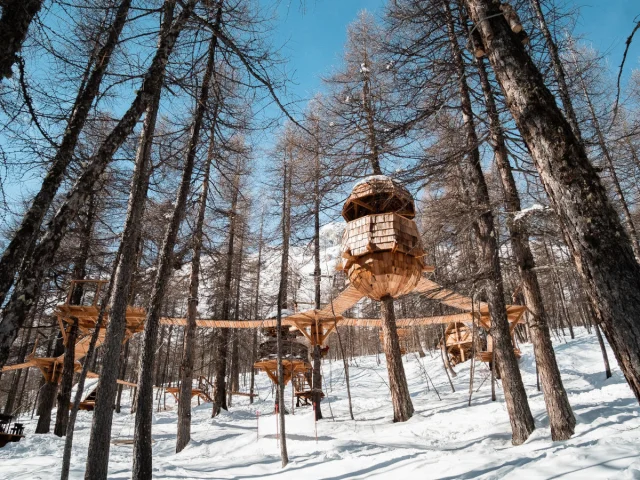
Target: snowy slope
<point>445,439</point>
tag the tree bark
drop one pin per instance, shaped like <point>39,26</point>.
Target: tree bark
<point>48,392</point>
<point>220,367</point>
<point>142,442</point>
<point>561,418</point>
<point>26,233</point>
<point>34,267</point>
<point>234,370</point>
<point>16,17</point>
<point>256,313</point>
<point>122,375</point>
<point>282,300</point>
<point>68,443</point>
<point>596,239</point>
<point>13,389</point>
<point>317,272</point>
<point>186,380</point>
<point>522,423</point>
<point>79,273</point>
<point>99,442</point>
<point>400,397</point>
<point>602,143</point>
<point>47,400</point>
<point>64,395</point>
<point>603,349</point>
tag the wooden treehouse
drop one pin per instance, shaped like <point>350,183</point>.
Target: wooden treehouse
<point>381,247</point>
<point>458,341</point>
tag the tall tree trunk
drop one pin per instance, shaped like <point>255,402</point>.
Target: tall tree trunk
<point>36,265</point>
<point>47,401</point>
<point>596,239</point>
<point>400,397</point>
<point>374,154</point>
<point>68,443</point>
<point>402,406</point>
<point>142,458</point>
<point>24,349</point>
<point>317,272</point>
<point>488,255</point>
<point>186,379</point>
<point>62,415</point>
<point>602,144</point>
<point>222,340</point>
<point>16,17</point>
<point>48,392</point>
<point>561,418</point>
<point>99,441</point>
<point>282,300</point>
<point>79,273</point>
<point>122,375</point>
<point>234,371</point>
<point>256,313</point>
<point>28,230</point>
<point>603,349</point>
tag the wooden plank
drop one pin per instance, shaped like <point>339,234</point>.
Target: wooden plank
<point>407,322</point>
<point>432,290</point>
<point>344,301</point>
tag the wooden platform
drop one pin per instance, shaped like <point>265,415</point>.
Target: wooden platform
<point>87,315</point>
<point>290,368</point>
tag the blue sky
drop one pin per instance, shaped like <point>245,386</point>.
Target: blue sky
<point>607,24</point>
<point>315,36</point>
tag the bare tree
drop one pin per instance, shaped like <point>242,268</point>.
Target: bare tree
<point>29,228</point>
<point>597,241</point>
<point>16,17</point>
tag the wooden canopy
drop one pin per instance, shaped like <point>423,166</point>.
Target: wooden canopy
<point>378,194</point>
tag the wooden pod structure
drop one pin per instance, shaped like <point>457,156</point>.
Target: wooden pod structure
<point>381,247</point>
<point>378,194</point>
<point>291,350</point>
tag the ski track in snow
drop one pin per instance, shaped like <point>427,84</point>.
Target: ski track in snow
<point>445,439</point>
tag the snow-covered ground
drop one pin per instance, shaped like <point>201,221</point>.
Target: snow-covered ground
<point>445,439</point>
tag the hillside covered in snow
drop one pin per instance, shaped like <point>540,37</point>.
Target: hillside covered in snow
<point>446,438</point>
